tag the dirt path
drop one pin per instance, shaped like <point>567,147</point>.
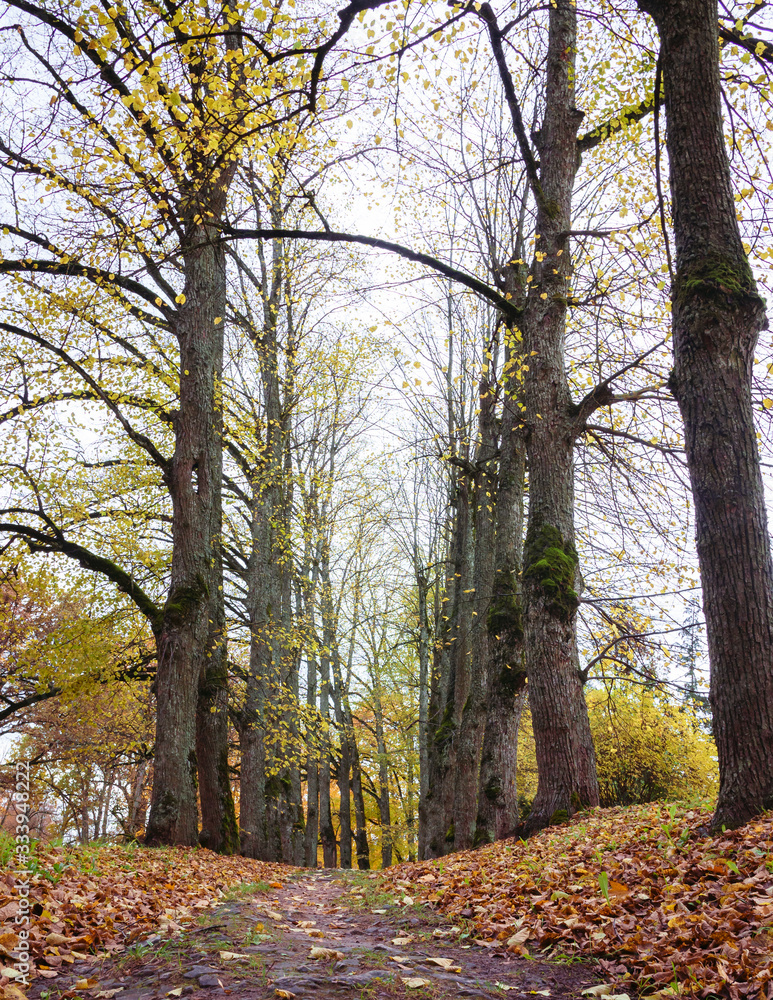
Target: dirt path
<point>260,945</point>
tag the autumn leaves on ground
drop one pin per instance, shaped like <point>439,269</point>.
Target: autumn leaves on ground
<point>643,897</point>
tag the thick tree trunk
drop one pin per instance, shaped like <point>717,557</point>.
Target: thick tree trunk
<point>564,750</point>
<point>194,482</point>
<point>469,734</point>
<point>219,829</point>
<point>498,792</point>
<point>716,319</point>
<point>449,685</point>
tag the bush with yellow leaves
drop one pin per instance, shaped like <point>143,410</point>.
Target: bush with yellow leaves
<point>648,748</point>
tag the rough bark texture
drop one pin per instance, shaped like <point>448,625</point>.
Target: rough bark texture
<point>448,687</point>
<point>717,316</point>
<point>498,791</point>
<point>469,734</point>
<point>422,586</point>
<point>194,483</point>
<point>219,829</point>
<point>326,829</point>
<point>564,750</point>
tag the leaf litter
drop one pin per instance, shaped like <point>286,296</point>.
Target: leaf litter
<point>121,897</point>
<point>643,889</point>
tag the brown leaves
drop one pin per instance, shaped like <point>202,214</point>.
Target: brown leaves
<point>124,896</point>
<point>642,888</point>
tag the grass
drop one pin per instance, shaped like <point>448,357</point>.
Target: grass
<point>246,889</point>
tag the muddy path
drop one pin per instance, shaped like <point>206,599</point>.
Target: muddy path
<point>324,935</point>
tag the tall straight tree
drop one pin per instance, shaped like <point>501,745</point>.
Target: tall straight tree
<point>564,747</point>
<point>717,317</point>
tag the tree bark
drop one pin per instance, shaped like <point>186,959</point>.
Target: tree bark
<point>469,734</point>
<point>717,314</point>
<point>564,749</point>
<point>449,684</point>
<point>498,792</point>
<point>326,830</point>
<point>194,482</point>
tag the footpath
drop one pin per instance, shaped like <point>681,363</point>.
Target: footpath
<point>325,935</point>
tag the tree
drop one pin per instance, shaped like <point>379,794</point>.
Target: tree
<point>717,316</point>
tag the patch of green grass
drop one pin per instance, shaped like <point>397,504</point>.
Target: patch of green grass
<point>246,889</point>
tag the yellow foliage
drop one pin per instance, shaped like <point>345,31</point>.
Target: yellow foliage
<point>647,749</point>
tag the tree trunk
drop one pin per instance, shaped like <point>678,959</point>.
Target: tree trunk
<point>135,819</point>
<point>469,734</point>
<point>361,834</point>
<point>717,315</point>
<point>498,792</point>
<point>422,586</point>
<point>326,830</point>
<point>564,750</point>
<point>450,684</point>
<point>194,482</point>
<point>219,829</point>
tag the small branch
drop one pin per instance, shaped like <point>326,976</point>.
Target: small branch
<point>601,394</point>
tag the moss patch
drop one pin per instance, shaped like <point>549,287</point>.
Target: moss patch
<point>553,564</point>
<point>714,277</point>
<point>183,601</point>
<point>445,730</point>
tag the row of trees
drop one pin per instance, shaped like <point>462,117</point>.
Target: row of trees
<point>161,273</point>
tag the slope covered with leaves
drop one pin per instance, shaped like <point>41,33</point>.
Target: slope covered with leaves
<point>644,889</point>
<point>101,899</point>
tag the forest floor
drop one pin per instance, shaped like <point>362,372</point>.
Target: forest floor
<point>323,935</point>
<point>641,901</point>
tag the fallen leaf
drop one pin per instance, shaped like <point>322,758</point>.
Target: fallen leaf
<point>520,937</point>
<point>276,885</point>
<point>11,992</point>
<point>401,958</point>
<point>327,954</point>
<point>441,932</point>
<point>415,982</point>
<point>177,992</point>
<point>407,900</point>
<point>230,956</point>
<point>107,994</point>
<point>284,994</point>
<point>306,923</point>
<point>444,963</point>
<point>399,941</point>
<point>56,939</point>
<point>86,984</point>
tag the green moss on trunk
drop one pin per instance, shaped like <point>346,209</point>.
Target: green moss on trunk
<point>553,564</point>
<point>714,277</point>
